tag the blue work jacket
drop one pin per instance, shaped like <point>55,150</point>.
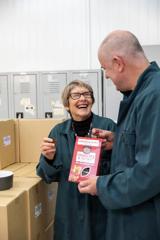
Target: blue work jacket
<point>131,192</point>
<point>78,216</point>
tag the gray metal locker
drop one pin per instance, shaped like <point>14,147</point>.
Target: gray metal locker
<point>24,95</point>
<point>50,87</point>
<point>111,99</point>
<point>152,52</point>
<point>94,78</point>
<point>4,96</point>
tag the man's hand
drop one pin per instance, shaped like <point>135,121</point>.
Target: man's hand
<point>88,186</point>
<point>108,137</point>
<point>48,148</point>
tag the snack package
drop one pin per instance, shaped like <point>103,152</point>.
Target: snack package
<point>85,160</point>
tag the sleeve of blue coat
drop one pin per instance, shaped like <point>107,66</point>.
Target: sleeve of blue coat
<point>135,185</point>
<point>50,170</point>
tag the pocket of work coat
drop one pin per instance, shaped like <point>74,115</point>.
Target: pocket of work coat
<point>129,140</point>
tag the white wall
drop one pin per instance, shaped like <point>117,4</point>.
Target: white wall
<point>65,34</point>
<point>139,16</point>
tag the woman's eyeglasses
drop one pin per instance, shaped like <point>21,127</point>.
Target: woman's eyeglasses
<point>77,95</point>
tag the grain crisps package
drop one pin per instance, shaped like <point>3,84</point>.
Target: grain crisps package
<point>85,160</point>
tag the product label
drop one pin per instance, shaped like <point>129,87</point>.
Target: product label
<point>85,160</point>
<point>38,210</point>
<point>7,140</point>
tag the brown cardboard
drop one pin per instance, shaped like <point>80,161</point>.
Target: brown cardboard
<point>47,234</point>
<point>32,172</point>
<point>15,166</point>
<point>16,126</point>
<point>40,198</point>
<point>23,169</point>
<point>31,133</point>
<point>13,215</point>
<point>40,203</point>
<point>7,143</point>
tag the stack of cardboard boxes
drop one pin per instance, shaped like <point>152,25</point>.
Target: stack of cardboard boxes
<point>27,209</point>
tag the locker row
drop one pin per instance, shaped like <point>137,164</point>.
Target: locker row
<point>38,94</point>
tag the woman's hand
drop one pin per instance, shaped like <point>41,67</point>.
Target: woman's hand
<point>48,148</point>
<point>108,137</point>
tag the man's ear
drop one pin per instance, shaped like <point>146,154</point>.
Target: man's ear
<point>118,63</point>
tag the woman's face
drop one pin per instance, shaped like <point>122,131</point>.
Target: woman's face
<point>80,105</point>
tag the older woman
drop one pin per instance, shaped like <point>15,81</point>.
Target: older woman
<point>78,216</point>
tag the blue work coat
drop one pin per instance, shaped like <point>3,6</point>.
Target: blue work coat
<point>131,192</point>
<point>78,216</point>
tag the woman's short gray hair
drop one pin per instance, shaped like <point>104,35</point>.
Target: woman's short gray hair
<point>67,90</point>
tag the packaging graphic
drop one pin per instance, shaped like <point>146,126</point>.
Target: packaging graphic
<point>85,160</point>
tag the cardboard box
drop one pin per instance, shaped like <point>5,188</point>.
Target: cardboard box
<point>41,198</point>
<point>15,166</point>
<point>85,161</point>
<point>47,234</point>
<point>16,126</point>
<point>23,169</point>
<point>38,205</point>
<point>30,135</point>
<point>13,215</point>
<point>7,143</point>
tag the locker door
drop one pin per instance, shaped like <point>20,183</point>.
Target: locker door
<point>51,85</point>
<point>94,78</point>
<point>24,95</point>
<point>111,99</point>
<point>152,52</point>
<point>4,96</point>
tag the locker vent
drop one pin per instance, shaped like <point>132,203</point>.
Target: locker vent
<point>53,87</point>
<point>25,87</point>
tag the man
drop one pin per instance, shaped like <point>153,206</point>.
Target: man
<point>131,192</point>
